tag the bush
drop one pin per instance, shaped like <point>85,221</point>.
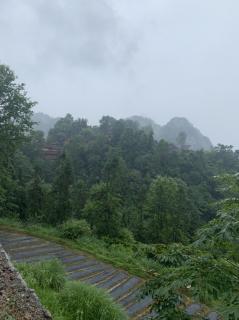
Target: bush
<point>126,237</point>
<point>81,301</point>
<point>74,229</point>
<point>46,274</point>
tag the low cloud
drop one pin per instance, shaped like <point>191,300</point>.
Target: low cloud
<point>159,58</point>
<point>85,33</point>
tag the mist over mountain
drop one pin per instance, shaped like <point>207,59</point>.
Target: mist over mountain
<point>44,122</point>
<point>178,131</point>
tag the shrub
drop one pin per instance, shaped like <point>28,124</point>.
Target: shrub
<point>74,229</point>
<point>46,274</point>
<point>81,301</point>
<point>126,236</point>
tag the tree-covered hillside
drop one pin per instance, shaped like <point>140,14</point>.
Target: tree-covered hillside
<point>118,174</point>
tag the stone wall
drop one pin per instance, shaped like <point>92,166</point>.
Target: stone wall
<point>17,301</point>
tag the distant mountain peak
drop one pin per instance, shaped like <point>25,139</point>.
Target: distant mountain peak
<point>176,129</point>
<point>180,120</point>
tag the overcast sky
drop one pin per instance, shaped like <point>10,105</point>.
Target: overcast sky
<point>157,58</point>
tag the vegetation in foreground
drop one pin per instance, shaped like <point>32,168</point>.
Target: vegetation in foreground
<point>207,270</point>
<point>68,300</point>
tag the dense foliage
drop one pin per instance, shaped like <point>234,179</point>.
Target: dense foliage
<point>15,123</point>
<point>115,176</point>
<point>207,270</point>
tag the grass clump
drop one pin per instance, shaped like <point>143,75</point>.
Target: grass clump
<point>45,275</point>
<point>68,300</point>
<point>88,303</point>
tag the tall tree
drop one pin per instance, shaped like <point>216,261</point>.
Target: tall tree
<point>15,112</point>
<point>168,211</point>
<point>79,195</point>
<point>35,199</point>
<point>61,192</point>
<point>15,124</point>
<point>103,211</point>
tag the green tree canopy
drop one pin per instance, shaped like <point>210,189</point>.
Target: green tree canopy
<point>15,111</point>
<point>15,124</point>
<point>103,211</point>
<point>61,207</point>
<point>169,212</point>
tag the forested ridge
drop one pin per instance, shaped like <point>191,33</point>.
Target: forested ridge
<point>116,183</point>
<point>118,167</point>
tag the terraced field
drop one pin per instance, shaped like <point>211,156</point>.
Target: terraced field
<point>123,287</point>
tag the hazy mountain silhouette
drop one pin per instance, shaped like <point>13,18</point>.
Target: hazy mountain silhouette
<point>178,131</point>
<point>44,122</point>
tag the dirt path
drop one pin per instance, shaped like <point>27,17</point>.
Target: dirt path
<point>123,287</point>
